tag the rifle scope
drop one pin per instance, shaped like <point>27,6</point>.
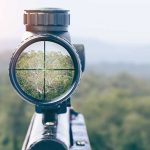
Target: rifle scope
<point>46,68</point>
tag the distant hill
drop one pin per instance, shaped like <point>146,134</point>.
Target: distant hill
<point>141,70</point>
<point>4,60</point>
<point>8,44</point>
<point>101,57</point>
<point>99,51</point>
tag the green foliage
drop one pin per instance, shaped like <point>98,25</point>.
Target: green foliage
<point>30,60</point>
<point>116,108</point>
<point>15,116</point>
<point>44,78</point>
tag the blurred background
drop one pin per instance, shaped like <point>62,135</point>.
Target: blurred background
<point>114,94</point>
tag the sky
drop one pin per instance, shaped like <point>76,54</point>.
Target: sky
<point>112,30</point>
<point>113,21</point>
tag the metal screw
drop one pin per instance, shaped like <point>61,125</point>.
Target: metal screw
<point>49,123</point>
<point>80,143</point>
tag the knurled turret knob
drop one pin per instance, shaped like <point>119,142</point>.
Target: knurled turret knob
<point>47,19</point>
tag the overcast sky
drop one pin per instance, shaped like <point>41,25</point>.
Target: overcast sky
<point>112,30</point>
<point>113,21</point>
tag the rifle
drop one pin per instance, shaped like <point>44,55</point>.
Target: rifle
<point>45,70</point>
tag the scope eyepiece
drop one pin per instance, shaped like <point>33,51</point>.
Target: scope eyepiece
<point>45,70</point>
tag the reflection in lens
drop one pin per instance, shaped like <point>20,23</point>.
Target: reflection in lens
<point>45,71</point>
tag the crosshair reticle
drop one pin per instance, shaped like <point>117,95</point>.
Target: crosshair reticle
<point>45,70</point>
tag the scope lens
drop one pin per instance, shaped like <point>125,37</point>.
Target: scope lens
<point>45,71</point>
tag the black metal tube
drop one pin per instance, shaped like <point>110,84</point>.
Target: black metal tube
<point>50,135</point>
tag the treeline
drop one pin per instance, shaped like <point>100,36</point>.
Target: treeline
<point>117,111</point>
<point>116,108</point>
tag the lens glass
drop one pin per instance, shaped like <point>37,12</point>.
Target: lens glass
<point>45,71</point>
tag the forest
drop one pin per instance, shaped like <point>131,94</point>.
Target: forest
<point>116,109</point>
